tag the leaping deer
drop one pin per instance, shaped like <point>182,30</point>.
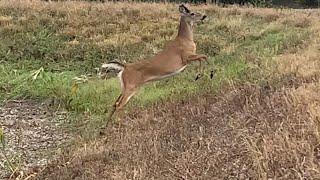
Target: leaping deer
<point>178,53</point>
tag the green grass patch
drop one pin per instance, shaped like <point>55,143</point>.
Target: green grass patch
<point>35,84</point>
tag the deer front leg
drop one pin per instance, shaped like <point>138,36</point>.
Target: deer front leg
<point>198,57</point>
<point>200,71</point>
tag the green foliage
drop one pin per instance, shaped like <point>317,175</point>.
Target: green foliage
<point>30,46</point>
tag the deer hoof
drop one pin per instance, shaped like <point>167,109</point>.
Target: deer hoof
<point>211,75</point>
<point>199,76</point>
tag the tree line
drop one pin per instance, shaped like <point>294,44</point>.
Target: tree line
<point>264,3</point>
<point>286,3</point>
<point>258,3</point>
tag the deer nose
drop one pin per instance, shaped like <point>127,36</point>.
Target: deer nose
<point>204,17</point>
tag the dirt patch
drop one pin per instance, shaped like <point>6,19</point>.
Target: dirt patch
<point>31,137</point>
<point>249,133</point>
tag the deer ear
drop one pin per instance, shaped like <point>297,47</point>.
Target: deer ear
<point>183,9</point>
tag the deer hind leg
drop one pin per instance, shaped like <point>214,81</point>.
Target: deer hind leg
<point>128,93</point>
<point>112,113</point>
<point>122,100</point>
<point>115,105</point>
<point>119,98</point>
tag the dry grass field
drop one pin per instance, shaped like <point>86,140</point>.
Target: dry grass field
<point>259,118</point>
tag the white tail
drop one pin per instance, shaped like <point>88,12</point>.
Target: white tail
<point>113,65</point>
<point>171,60</point>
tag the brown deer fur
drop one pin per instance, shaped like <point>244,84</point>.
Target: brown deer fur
<point>178,53</point>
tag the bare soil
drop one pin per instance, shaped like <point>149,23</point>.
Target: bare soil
<point>32,137</point>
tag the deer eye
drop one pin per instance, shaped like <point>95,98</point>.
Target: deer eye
<point>192,14</point>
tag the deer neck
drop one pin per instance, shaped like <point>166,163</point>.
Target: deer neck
<point>185,29</point>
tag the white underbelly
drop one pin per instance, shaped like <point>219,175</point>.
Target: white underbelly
<point>154,78</point>
<point>121,79</point>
